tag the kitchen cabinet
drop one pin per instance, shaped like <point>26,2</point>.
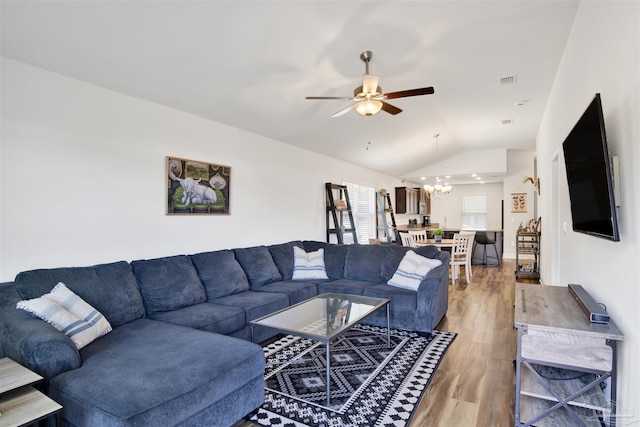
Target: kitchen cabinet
<point>407,200</point>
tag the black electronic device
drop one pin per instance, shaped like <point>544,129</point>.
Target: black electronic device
<point>589,175</point>
<point>594,311</point>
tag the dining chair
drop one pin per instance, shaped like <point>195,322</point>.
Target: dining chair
<point>461,255</point>
<point>419,236</point>
<point>483,239</point>
<point>472,235</point>
<point>407,240</point>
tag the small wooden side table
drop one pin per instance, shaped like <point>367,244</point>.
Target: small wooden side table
<point>20,403</point>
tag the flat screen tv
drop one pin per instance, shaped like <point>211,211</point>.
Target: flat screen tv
<point>589,175</point>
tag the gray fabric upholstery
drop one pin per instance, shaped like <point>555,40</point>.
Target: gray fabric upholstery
<point>255,304</point>
<point>32,342</point>
<point>344,286</point>
<point>258,265</point>
<point>168,283</point>
<point>109,288</point>
<point>175,368</point>
<point>364,262</point>
<point>334,257</point>
<point>118,383</point>
<point>220,273</point>
<point>283,257</point>
<point>296,290</point>
<point>207,316</point>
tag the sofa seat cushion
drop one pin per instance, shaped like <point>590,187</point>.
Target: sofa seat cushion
<point>168,283</point>
<point>255,304</point>
<point>344,286</point>
<point>118,383</point>
<point>109,288</point>
<point>258,265</point>
<point>222,319</point>
<point>220,273</point>
<point>398,297</point>
<point>296,290</point>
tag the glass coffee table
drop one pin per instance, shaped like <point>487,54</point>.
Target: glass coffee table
<point>323,318</point>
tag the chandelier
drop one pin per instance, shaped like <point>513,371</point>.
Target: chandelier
<point>437,191</point>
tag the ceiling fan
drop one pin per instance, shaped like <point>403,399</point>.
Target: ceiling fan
<point>369,97</point>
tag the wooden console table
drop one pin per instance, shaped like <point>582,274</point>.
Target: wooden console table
<point>565,365</point>
<point>20,403</point>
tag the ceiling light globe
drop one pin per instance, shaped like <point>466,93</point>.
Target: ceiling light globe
<point>368,108</point>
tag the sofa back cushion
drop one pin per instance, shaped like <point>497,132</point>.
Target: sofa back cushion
<point>365,262</point>
<point>168,283</point>
<point>334,256</point>
<point>110,288</point>
<point>283,257</point>
<point>258,265</point>
<point>220,273</point>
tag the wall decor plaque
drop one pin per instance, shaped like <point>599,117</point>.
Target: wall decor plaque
<point>196,187</point>
<point>518,202</point>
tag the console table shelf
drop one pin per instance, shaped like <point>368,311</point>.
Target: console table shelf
<point>565,365</point>
<point>528,254</point>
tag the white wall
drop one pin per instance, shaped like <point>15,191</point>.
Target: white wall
<point>83,178</point>
<point>450,208</point>
<point>521,165</point>
<point>602,55</point>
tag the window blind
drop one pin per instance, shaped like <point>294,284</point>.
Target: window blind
<point>474,212</point>
<point>363,209</point>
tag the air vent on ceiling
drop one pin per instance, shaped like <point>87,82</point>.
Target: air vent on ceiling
<point>507,121</point>
<point>508,80</point>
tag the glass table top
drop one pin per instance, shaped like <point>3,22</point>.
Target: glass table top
<point>322,317</point>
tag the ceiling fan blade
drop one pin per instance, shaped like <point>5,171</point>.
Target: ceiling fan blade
<point>411,92</point>
<point>348,98</point>
<point>370,83</point>
<point>342,112</point>
<point>391,109</point>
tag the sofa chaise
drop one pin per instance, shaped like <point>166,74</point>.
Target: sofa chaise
<point>180,350</point>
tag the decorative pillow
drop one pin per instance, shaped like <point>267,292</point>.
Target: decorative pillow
<point>308,265</point>
<point>412,270</point>
<point>69,314</point>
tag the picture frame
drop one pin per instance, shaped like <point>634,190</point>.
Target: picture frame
<point>196,187</point>
<point>518,202</point>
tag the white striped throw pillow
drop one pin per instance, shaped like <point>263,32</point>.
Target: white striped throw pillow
<point>308,265</point>
<point>68,313</point>
<point>412,270</point>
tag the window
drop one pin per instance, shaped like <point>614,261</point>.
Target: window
<point>363,208</point>
<point>474,212</point>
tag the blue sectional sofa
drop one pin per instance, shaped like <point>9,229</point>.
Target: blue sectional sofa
<point>180,352</point>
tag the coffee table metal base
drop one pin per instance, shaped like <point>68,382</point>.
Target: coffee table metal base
<point>325,340</point>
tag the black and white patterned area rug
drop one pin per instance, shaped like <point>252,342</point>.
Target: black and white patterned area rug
<point>371,385</point>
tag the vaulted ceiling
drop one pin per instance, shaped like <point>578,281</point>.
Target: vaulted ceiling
<point>250,64</point>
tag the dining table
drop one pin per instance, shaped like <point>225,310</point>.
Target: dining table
<point>443,243</point>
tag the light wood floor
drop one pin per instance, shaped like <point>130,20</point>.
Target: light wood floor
<point>475,382</point>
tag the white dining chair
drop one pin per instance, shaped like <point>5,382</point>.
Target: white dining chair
<point>461,255</point>
<point>407,240</point>
<point>470,251</point>
<point>419,236</point>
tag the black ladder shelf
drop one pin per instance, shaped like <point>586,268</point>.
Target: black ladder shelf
<point>384,208</point>
<point>339,213</point>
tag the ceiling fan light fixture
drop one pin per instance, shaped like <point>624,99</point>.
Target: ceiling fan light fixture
<point>368,108</point>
